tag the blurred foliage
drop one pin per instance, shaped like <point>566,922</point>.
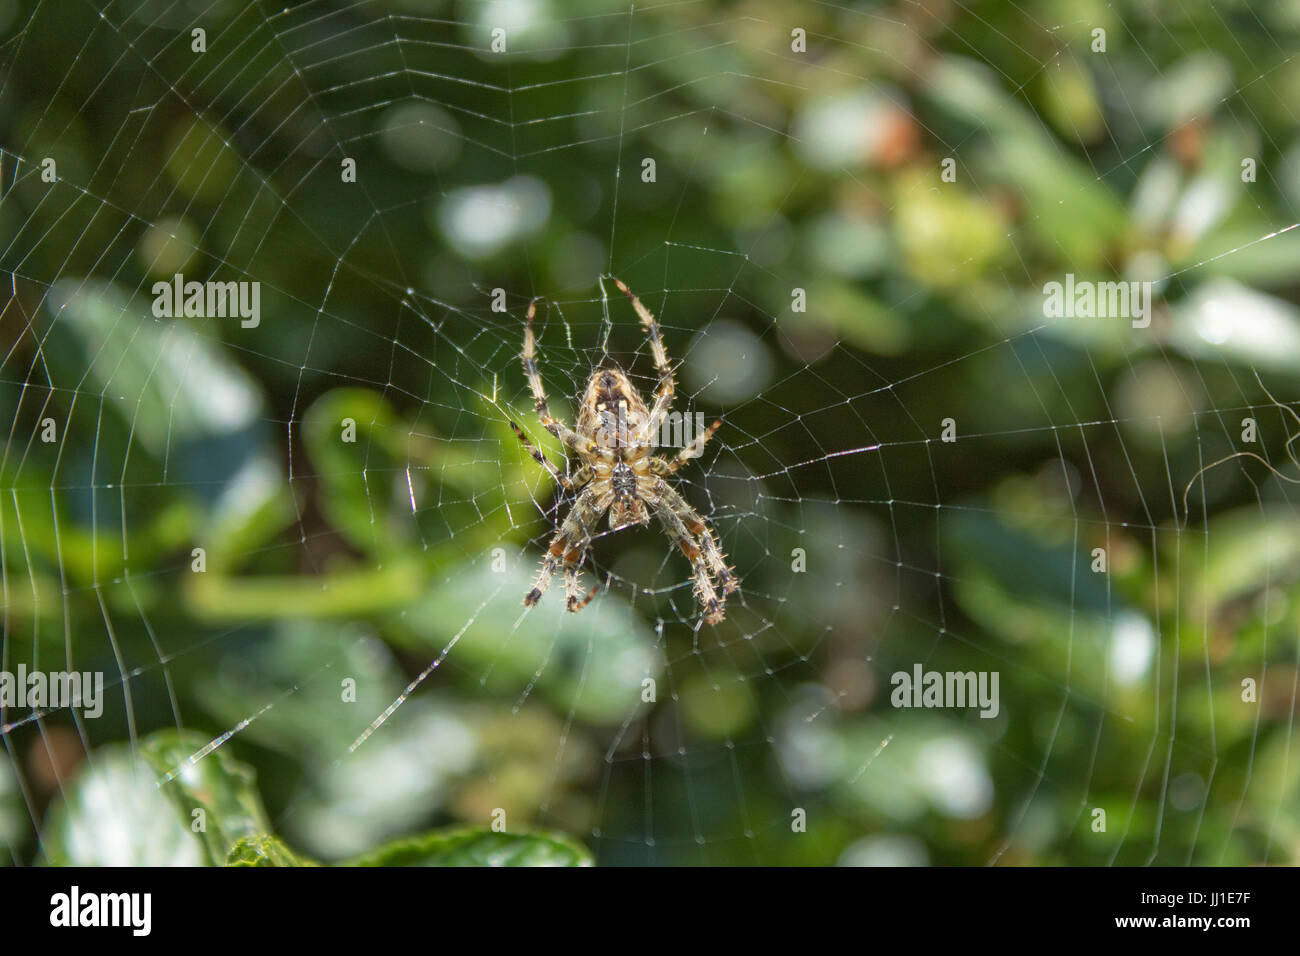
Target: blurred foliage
<point>774,169</point>
<point>206,811</point>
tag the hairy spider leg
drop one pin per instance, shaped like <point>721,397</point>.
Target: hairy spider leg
<point>563,480</point>
<point>552,424</point>
<point>575,554</point>
<point>664,468</point>
<point>666,387</point>
<point>569,547</point>
<point>712,554</point>
<point>677,518</point>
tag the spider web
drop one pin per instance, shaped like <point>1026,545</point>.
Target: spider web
<point>395,556</point>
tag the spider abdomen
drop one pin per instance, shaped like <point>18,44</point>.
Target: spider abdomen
<point>612,411</point>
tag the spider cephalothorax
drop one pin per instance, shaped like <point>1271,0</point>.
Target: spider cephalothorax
<point>618,472</point>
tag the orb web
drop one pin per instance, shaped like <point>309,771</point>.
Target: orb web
<point>845,245</point>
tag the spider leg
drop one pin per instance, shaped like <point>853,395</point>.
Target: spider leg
<point>537,454</point>
<point>550,561</point>
<point>575,601</point>
<point>667,386</point>
<point>663,468</point>
<point>567,482</point>
<point>712,554</point>
<point>552,424</point>
<point>716,560</point>
<point>675,526</point>
<point>576,554</point>
<point>557,551</point>
<point>568,547</point>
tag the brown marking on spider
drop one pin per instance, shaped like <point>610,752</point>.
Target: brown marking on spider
<point>619,473</point>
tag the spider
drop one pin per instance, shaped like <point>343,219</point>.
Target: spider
<point>619,473</point>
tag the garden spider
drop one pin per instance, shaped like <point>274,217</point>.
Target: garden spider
<point>619,473</point>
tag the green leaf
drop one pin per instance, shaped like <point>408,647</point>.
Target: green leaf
<point>1241,252</point>
<point>1076,216</point>
<point>342,809</point>
<point>1193,86</point>
<point>370,479</point>
<point>1224,320</point>
<point>264,850</point>
<point>479,847</point>
<point>169,379</point>
<point>115,815</point>
<point>1253,549</point>
<point>357,507</point>
<point>137,808</point>
<point>222,787</point>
